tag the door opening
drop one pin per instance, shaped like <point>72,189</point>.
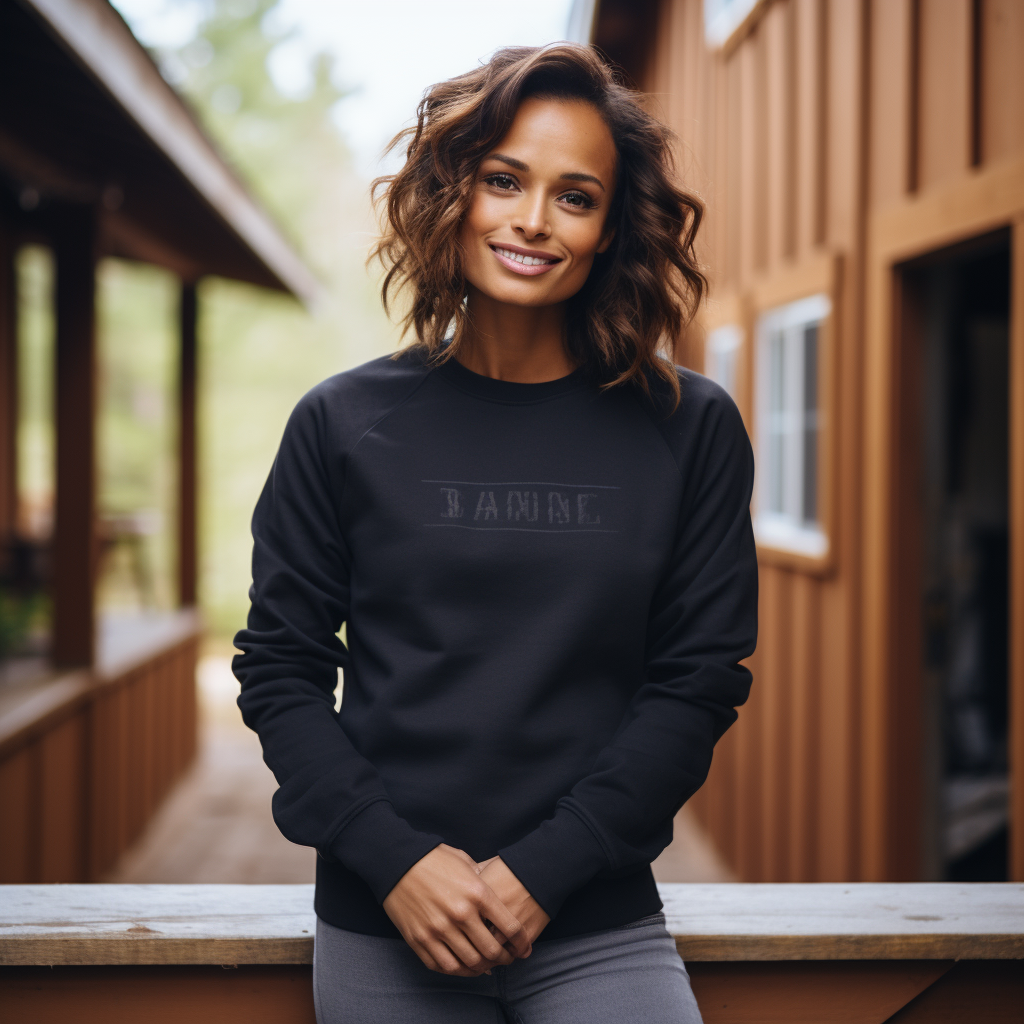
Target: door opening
<point>963,304</point>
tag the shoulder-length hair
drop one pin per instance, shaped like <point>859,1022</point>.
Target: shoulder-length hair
<point>640,294</point>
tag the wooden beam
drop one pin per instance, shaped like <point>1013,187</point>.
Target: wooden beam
<point>187,544</point>
<point>8,385</point>
<point>74,556</point>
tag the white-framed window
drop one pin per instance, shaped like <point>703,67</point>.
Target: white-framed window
<point>723,17</point>
<point>789,421</point>
<point>722,354</point>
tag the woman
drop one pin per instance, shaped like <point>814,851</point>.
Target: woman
<point>537,532</point>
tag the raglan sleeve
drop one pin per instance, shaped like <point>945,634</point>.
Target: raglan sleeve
<point>329,796</point>
<point>702,624</point>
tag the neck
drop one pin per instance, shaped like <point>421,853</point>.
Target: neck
<point>522,344</point>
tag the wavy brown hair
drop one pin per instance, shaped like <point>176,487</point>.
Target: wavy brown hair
<point>641,293</point>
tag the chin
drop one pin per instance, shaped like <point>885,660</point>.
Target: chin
<point>517,294</point>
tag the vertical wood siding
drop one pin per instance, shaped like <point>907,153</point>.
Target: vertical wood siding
<point>824,112</point>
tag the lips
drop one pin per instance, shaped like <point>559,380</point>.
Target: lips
<point>529,262</point>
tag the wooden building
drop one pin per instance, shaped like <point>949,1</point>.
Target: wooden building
<point>99,157</point>
<point>862,162</point>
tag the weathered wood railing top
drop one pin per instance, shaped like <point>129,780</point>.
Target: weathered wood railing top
<point>274,924</point>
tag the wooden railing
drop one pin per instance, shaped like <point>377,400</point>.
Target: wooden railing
<point>850,954</point>
<point>86,757</point>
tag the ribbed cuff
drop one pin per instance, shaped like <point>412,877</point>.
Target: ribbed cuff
<point>380,847</point>
<point>555,859</point>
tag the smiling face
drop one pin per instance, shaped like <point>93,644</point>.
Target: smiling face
<point>540,205</point>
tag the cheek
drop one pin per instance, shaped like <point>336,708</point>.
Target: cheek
<point>583,240</point>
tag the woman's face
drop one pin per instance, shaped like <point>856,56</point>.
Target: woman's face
<point>540,205</point>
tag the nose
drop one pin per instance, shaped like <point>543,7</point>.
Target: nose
<point>530,219</point>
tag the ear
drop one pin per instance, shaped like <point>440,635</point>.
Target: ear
<point>606,241</point>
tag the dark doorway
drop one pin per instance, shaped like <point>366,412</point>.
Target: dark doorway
<point>962,302</point>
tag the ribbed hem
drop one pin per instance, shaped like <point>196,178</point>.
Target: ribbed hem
<point>555,859</point>
<point>380,847</point>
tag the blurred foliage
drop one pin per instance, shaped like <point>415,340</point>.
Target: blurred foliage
<point>259,351</point>
<point>35,276</point>
<point>136,312</point>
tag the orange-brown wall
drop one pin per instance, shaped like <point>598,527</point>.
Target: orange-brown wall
<point>809,137</point>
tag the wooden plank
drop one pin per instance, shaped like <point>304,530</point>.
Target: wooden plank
<point>775,736</point>
<point>187,536</point>
<point>945,122</point>
<point>749,808</point>
<point>19,812</point>
<point>809,129</point>
<point>859,992</point>
<point>992,991</point>
<point>62,802</point>
<point>1001,80</point>
<point>194,924</point>
<point>1016,682</point>
<point>748,164</point>
<point>74,614</point>
<point>846,921</point>
<point>103,827</point>
<point>158,995</point>
<point>777,29</point>
<point>891,125</point>
<point>157,924</point>
<point>734,181</point>
<point>804,702</point>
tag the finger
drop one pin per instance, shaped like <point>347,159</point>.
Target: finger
<point>483,864</point>
<point>447,962</point>
<point>488,946</point>
<point>506,922</point>
<point>462,971</point>
<point>466,951</point>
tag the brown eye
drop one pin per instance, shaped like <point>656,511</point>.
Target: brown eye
<point>502,182</point>
<point>578,199</point>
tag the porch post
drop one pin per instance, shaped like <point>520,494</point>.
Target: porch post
<point>74,539</point>
<point>187,545</point>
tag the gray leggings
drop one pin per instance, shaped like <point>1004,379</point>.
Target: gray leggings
<point>632,973</point>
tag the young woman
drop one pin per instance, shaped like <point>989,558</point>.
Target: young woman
<point>537,531</point>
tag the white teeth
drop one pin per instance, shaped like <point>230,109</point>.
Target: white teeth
<point>527,261</point>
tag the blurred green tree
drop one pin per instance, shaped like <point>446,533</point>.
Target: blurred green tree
<point>259,352</point>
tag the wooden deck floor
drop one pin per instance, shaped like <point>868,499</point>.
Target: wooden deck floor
<point>216,826</point>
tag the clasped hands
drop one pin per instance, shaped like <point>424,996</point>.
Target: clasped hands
<point>463,918</point>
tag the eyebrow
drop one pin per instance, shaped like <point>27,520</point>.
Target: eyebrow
<point>568,176</point>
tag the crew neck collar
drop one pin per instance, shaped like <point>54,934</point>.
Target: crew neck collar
<point>508,391</point>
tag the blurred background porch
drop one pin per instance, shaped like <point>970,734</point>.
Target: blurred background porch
<point>862,162</point>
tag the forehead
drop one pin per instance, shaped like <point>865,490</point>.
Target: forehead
<point>560,135</point>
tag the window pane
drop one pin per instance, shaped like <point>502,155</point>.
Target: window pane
<point>810,424</point>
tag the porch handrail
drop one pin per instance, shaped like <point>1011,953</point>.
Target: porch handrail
<point>99,924</point>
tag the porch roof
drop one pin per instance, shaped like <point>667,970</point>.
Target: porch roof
<point>88,118</point>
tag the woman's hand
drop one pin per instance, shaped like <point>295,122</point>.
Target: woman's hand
<point>515,896</point>
<point>440,905</point>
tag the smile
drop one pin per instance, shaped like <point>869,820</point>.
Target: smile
<point>524,263</point>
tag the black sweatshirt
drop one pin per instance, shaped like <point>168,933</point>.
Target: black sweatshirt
<point>548,590</point>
